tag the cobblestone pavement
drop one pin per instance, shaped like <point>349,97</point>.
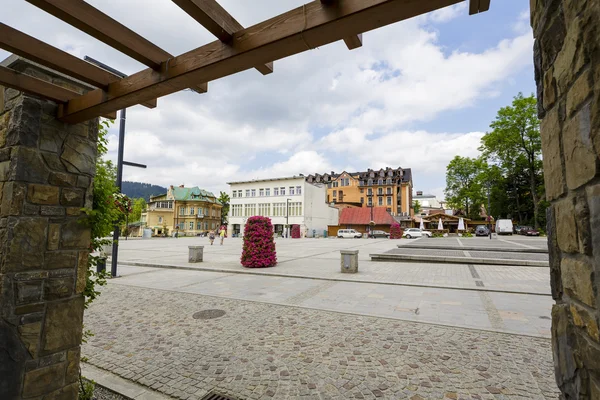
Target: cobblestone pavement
<point>263,351</point>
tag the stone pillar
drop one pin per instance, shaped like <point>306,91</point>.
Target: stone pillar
<point>46,168</point>
<point>195,254</point>
<point>349,261</point>
<point>567,72</point>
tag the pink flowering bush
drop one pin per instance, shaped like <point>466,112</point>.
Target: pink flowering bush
<point>259,246</point>
<point>295,231</point>
<point>396,231</point>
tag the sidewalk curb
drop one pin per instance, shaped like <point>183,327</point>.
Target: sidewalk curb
<point>473,248</point>
<point>458,260</point>
<point>229,271</point>
<point>124,387</point>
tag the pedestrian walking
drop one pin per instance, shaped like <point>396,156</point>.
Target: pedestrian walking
<point>222,235</point>
<point>211,237</point>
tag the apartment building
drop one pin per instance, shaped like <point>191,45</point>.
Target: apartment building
<point>287,201</point>
<point>387,187</point>
<point>186,211</point>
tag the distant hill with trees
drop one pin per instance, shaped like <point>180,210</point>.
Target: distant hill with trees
<point>137,190</point>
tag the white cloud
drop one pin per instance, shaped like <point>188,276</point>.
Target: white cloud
<point>326,109</point>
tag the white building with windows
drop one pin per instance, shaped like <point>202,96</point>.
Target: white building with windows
<point>287,201</point>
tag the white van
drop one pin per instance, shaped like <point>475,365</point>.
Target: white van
<point>348,233</point>
<point>504,227</point>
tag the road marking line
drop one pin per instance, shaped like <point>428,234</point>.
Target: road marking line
<point>460,243</point>
<point>518,244</point>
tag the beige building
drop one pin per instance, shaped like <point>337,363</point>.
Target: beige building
<point>186,211</point>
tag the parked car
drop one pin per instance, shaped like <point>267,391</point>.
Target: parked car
<point>415,233</point>
<point>348,233</point>
<point>379,234</point>
<point>504,227</point>
<point>528,231</point>
<point>482,230</point>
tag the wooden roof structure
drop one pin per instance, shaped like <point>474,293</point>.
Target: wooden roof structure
<point>236,49</point>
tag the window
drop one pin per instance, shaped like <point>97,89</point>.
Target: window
<point>234,194</point>
<point>276,192</point>
<point>380,201</point>
<point>191,226</point>
<point>199,226</point>
<point>335,184</point>
<point>264,209</point>
<point>370,203</point>
<point>388,181</point>
<point>181,210</point>
<point>362,200</point>
<point>389,190</point>
<point>192,212</point>
<point>261,192</point>
<point>298,190</point>
<point>206,225</point>
<point>369,192</point>
<point>253,192</point>
<point>346,182</point>
<point>362,190</point>
<point>341,195</point>
<point>236,210</point>
<point>249,210</point>
<point>291,190</point>
<point>279,209</point>
<point>295,209</point>
<point>391,173</point>
<point>380,191</point>
<point>389,200</point>
<point>267,192</point>
<point>380,181</point>
<point>247,192</point>
<point>370,182</point>
<point>239,193</point>
<point>160,220</point>
<point>335,193</point>
<point>329,185</point>
<point>282,191</point>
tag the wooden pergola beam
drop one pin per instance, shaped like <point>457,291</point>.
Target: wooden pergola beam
<point>37,51</point>
<point>217,21</point>
<point>478,6</point>
<point>95,23</point>
<point>353,41</point>
<point>293,32</point>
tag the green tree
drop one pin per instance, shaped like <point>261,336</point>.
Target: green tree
<point>464,184</point>
<point>139,206</point>
<point>417,207</point>
<point>514,144</point>
<point>224,199</point>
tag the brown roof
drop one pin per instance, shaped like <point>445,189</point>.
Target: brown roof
<point>362,216</point>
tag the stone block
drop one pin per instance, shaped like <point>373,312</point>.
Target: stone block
<point>53,161</point>
<point>565,365</point>
<point>52,359</point>
<point>28,166</point>
<point>582,221</point>
<point>549,89</point>
<point>53,236</point>
<point>82,269</point>
<point>566,226</point>
<point>28,244</point>
<point>75,234</point>
<point>4,171</point>
<point>72,197</point>
<point>4,154</point>
<point>30,336</point>
<point>29,308</point>
<point>24,127</point>
<point>578,280</point>
<point>52,211</point>
<point>29,276</point>
<point>43,194</point>
<point>585,319</point>
<point>63,325</point>
<point>69,392</point>
<point>552,39</point>
<point>43,380</point>
<point>79,155</point>
<point>579,93</point>
<point>593,199</point>
<point>551,149</point>
<point>83,181</point>
<point>13,198</point>
<point>580,158</point>
<point>73,357</point>
<point>62,179</point>
<point>58,288</point>
<point>195,254</point>
<point>554,255</point>
<point>570,60</point>
<point>349,261</point>
<point>4,122</point>
<point>60,259</point>
<point>74,211</point>
<point>28,292</point>
<point>30,209</point>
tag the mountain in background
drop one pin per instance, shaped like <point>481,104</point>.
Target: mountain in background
<point>138,189</point>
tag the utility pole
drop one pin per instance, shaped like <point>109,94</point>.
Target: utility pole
<point>489,218</point>
<point>287,221</point>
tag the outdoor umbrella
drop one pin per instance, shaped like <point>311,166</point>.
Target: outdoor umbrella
<point>440,225</point>
<point>422,226</point>
<point>461,224</point>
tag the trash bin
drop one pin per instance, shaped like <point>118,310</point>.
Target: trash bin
<point>101,265</point>
<point>349,261</point>
<point>325,233</point>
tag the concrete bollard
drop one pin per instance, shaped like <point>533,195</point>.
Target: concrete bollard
<point>349,261</point>
<point>196,253</point>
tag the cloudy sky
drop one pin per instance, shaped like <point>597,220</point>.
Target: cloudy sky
<point>415,95</point>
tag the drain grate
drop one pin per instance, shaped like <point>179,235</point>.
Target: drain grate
<point>479,283</point>
<point>208,314</point>
<point>217,396</point>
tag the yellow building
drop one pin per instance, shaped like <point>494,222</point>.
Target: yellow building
<point>389,187</point>
<point>186,211</point>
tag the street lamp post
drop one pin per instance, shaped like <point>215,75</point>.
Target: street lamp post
<point>371,222</point>
<point>287,216</point>
<point>489,218</point>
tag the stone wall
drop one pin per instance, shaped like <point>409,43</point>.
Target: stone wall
<point>567,72</point>
<point>46,169</point>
